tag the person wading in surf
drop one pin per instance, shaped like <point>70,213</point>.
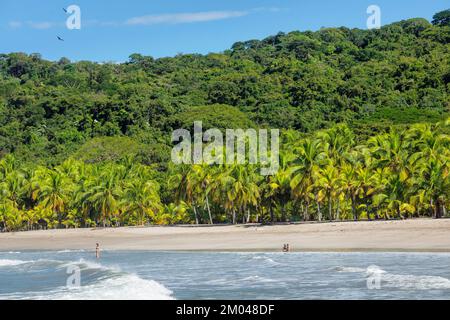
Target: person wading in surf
<point>97,251</point>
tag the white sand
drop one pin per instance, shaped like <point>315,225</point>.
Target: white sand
<point>409,235</point>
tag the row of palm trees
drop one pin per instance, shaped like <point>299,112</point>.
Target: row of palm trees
<point>399,174</point>
<point>328,176</point>
<point>75,194</point>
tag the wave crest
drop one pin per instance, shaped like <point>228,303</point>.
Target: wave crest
<point>110,283</point>
<point>11,262</point>
<point>401,281</point>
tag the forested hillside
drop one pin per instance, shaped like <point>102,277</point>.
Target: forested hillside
<point>362,112</point>
<point>300,80</point>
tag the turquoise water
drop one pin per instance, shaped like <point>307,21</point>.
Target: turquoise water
<point>167,275</point>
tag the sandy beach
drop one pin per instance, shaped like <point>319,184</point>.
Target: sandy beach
<point>425,235</point>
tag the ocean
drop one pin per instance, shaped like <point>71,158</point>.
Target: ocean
<point>190,275</point>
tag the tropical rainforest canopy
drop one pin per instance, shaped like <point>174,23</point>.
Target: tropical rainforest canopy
<point>362,112</point>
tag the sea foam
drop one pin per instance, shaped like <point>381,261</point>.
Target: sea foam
<point>10,262</point>
<point>401,281</point>
<point>110,283</point>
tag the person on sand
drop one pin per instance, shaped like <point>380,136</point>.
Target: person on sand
<point>97,251</point>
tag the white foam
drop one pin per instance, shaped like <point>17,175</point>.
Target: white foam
<point>415,282</point>
<point>257,279</point>
<point>70,251</point>
<point>124,287</point>
<point>86,264</point>
<point>402,281</point>
<point>350,269</point>
<point>239,281</point>
<point>9,262</point>
<point>266,259</point>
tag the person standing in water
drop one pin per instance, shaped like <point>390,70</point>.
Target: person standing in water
<point>97,251</point>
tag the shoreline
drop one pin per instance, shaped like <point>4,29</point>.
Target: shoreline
<point>418,235</point>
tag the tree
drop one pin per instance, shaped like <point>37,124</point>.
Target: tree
<point>141,199</point>
<point>54,193</point>
<point>329,180</point>
<point>442,18</point>
<point>105,195</point>
<point>310,156</point>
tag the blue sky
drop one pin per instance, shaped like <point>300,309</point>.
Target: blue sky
<point>114,29</point>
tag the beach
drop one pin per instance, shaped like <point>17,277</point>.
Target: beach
<point>419,235</point>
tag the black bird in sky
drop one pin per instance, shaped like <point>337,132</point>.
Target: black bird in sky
<point>59,38</point>
<point>64,10</point>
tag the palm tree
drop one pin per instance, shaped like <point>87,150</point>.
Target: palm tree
<point>183,187</point>
<point>350,187</point>
<point>30,187</point>
<point>7,212</point>
<point>82,198</point>
<point>142,199</point>
<point>310,156</point>
<point>242,189</point>
<point>329,180</point>
<point>200,175</point>
<point>336,141</point>
<point>276,191</point>
<point>12,186</point>
<point>436,183</point>
<point>54,193</point>
<point>105,195</point>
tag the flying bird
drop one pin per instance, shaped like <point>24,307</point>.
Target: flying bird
<point>65,10</point>
<point>59,38</point>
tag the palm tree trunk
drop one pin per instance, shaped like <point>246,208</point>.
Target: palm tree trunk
<point>399,213</point>
<point>338,208</point>
<point>306,213</point>
<point>272,218</point>
<point>438,213</point>
<point>354,211</point>
<point>330,207</point>
<point>195,213</point>
<point>209,210</point>
<point>302,209</point>
<point>319,213</point>
<point>248,215</point>
<point>234,216</point>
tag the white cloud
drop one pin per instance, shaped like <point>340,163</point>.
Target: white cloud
<point>175,18</point>
<point>41,25</point>
<point>267,9</point>
<point>15,24</point>
<point>178,18</point>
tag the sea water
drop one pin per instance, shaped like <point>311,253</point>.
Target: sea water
<point>189,275</point>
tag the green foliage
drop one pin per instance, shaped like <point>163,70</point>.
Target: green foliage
<point>358,111</point>
<point>213,116</point>
<point>305,81</point>
<point>442,18</point>
<point>106,149</point>
<point>401,173</point>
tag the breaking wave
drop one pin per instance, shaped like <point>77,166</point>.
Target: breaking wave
<point>10,262</point>
<point>401,281</point>
<point>109,283</point>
